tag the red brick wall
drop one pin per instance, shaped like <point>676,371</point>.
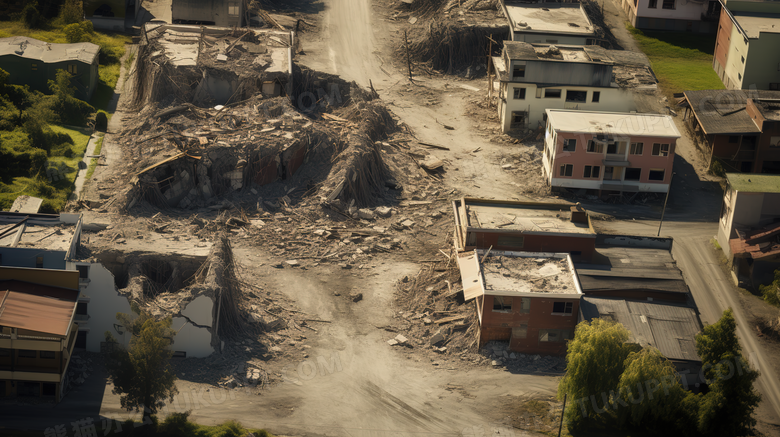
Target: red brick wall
<point>724,40</point>
<point>497,325</point>
<point>541,243</point>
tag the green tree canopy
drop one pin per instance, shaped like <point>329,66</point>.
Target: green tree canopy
<point>142,374</point>
<point>594,363</point>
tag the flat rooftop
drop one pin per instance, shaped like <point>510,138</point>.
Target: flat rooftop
<point>613,123</point>
<point>753,25</point>
<point>527,274</point>
<point>31,48</point>
<point>556,18</point>
<point>754,183</point>
<point>723,111</point>
<point>504,273</point>
<point>43,231</point>
<point>670,328</point>
<point>518,216</point>
<point>39,308</point>
<point>631,268</point>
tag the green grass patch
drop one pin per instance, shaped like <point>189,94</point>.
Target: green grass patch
<point>55,185</point>
<point>682,61</point>
<point>94,162</point>
<point>715,244</point>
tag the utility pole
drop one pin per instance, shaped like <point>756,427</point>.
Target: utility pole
<point>663,211</point>
<point>560,427</point>
<point>408,58</point>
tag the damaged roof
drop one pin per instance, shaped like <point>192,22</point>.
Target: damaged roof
<point>672,329</point>
<point>724,111</point>
<point>557,18</point>
<point>31,48</point>
<point>632,268</point>
<point>612,123</point>
<point>519,216</point>
<point>757,244</point>
<point>38,308</point>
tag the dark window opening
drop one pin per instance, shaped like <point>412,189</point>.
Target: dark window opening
<point>633,174</point>
<point>48,389</point>
<point>552,94</point>
<point>47,355</point>
<point>656,175</point>
<point>27,353</point>
<point>567,169</point>
<point>569,145</point>
<point>591,171</point>
<point>39,262</point>
<point>576,96</point>
<point>668,4</point>
<point>81,340</point>
<point>518,71</point>
<point>502,303</point>
<point>81,308</point>
<point>519,93</point>
<point>562,307</point>
<point>653,4</point>
<point>733,139</point>
<point>596,96</point>
<point>83,272</point>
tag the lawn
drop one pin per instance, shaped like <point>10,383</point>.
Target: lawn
<point>112,48</point>
<point>682,61</point>
<point>94,162</point>
<point>63,174</point>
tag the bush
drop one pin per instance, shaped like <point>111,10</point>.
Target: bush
<point>32,18</point>
<point>72,11</point>
<point>177,425</point>
<point>101,121</point>
<point>771,292</point>
<point>79,32</point>
<point>717,169</point>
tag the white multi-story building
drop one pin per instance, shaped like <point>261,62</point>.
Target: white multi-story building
<point>536,77</point>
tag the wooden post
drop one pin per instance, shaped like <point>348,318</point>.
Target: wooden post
<point>560,427</point>
<point>408,57</point>
<point>490,82</point>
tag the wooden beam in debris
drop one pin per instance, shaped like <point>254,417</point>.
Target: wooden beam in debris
<point>449,319</point>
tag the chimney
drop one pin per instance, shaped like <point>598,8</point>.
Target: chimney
<point>578,214</point>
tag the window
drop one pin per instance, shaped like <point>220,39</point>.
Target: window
<point>653,4</point>
<point>612,148</point>
<point>520,331</point>
<point>5,352</point>
<point>636,148</point>
<point>554,335</point>
<point>567,169</point>
<point>519,94</point>
<point>592,171</point>
<point>656,175</point>
<point>595,147</point>
<point>47,355</point>
<point>34,67</point>
<point>562,307</point>
<point>83,272</point>
<point>233,9</point>
<point>743,59</point>
<point>518,119</point>
<point>39,262</point>
<point>576,96</point>
<point>518,71</point>
<point>668,4</point>
<point>596,96</point>
<point>633,174</point>
<point>739,76</point>
<point>48,389</point>
<point>72,68</point>
<point>502,303</point>
<point>81,308</point>
<point>526,305</point>
<point>179,354</point>
<point>552,94</point>
<point>510,241</point>
<point>733,139</point>
<point>27,353</point>
<point>660,149</point>
<point>569,145</point>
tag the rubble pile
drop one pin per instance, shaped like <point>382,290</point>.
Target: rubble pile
<point>500,356</point>
<point>79,370</point>
<point>434,314</point>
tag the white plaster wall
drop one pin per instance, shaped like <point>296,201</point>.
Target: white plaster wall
<point>735,68</point>
<point>200,311</point>
<point>551,38</point>
<point>683,10</point>
<point>610,100</point>
<point>104,303</point>
<point>191,339</point>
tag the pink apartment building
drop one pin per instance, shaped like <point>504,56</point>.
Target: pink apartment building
<point>609,152</point>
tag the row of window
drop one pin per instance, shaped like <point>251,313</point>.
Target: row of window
<point>545,335</point>
<point>573,96</point>
<point>667,4</point>
<point>504,304</point>
<point>570,145</point>
<point>28,353</point>
<point>593,172</point>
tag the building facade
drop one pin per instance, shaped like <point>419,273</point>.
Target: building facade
<point>738,128</point>
<point>675,15</point>
<point>609,152</point>
<point>38,330</point>
<point>534,77</point>
<point>223,13</point>
<point>513,307</point>
<point>746,55</point>
<point>29,61</point>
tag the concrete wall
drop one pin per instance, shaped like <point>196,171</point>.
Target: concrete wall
<point>551,38</point>
<point>26,257</point>
<point>559,72</point>
<point>215,11</point>
<point>635,241</point>
<point>610,100</point>
<point>108,23</point>
<point>196,342</point>
<point>585,244</point>
<point>762,66</point>
<point>496,325</point>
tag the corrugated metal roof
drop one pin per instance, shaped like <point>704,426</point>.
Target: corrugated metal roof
<point>632,268</point>
<point>31,48</point>
<point>43,309</point>
<point>671,329</point>
<point>723,111</point>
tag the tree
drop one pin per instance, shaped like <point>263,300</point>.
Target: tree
<point>82,31</point>
<point>32,18</point>
<point>727,408</point>
<point>594,362</point>
<point>71,11</point>
<point>61,85</point>
<point>651,394</point>
<point>771,292</point>
<point>142,374</point>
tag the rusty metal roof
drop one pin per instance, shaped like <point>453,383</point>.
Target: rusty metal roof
<point>38,308</point>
